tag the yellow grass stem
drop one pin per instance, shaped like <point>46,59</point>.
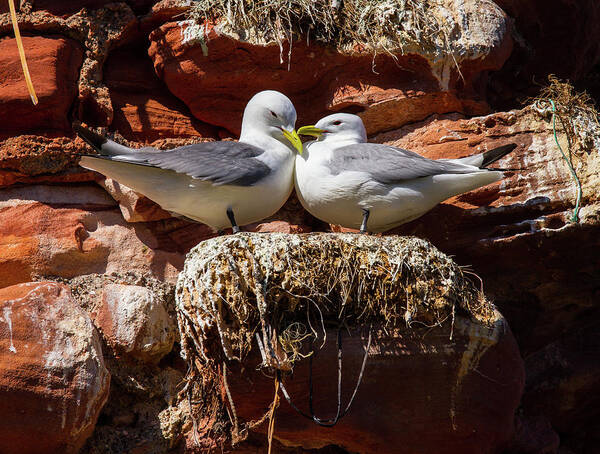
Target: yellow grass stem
<point>13,16</point>
<point>272,416</point>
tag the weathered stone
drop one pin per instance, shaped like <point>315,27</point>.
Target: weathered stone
<point>54,67</point>
<point>526,215</point>
<point>135,321</point>
<point>67,7</point>
<point>97,31</point>
<point>53,382</point>
<point>66,231</point>
<point>144,110</point>
<point>37,159</point>
<point>216,86</point>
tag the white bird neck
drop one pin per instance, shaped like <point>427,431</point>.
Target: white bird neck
<point>270,144</point>
<point>341,139</point>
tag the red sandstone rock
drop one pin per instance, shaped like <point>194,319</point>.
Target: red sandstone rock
<point>217,86</point>
<point>67,231</point>
<point>516,233</point>
<point>421,393</point>
<point>163,11</point>
<point>54,66</point>
<point>67,7</point>
<point>53,382</point>
<point>135,322</point>
<point>144,110</point>
<point>64,8</point>
<point>31,159</point>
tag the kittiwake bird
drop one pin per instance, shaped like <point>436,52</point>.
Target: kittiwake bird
<point>220,184</point>
<point>341,179</point>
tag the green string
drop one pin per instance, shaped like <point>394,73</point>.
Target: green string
<point>575,217</point>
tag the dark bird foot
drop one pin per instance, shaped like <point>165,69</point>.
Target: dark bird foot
<point>363,226</point>
<point>234,226</point>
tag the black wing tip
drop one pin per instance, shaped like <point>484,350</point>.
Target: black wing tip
<point>90,137</point>
<point>497,153</point>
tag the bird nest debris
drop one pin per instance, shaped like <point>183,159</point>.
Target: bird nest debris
<point>579,120</point>
<point>280,292</point>
<point>352,26</point>
<point>576,112</point>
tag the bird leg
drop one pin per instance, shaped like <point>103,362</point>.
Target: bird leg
<point>231,217</point>
<point>363,226</point>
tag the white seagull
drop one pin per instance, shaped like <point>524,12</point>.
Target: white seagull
<point>220,184</point>
<point>343,180</point>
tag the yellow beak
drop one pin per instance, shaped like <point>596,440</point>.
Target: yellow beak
<point>310,130</point>
<point>294,139</point>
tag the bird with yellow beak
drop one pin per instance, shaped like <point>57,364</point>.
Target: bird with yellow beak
<point>220,184</point>
<point>341,179</point>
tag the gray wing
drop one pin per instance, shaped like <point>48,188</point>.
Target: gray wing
<point>390,164</point>
<point>231,163</point>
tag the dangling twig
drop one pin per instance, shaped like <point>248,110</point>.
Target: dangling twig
<point>15,23</point>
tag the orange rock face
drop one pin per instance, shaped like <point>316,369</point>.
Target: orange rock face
<point>144,110</point>
<point>54,64</point>
<point>53,382</point>
<point>134,322</point>
<point>67,231</point>
<point>216,86</point>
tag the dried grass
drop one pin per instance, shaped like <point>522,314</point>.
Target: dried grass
<point>394,26</point>
<point>576,111</point>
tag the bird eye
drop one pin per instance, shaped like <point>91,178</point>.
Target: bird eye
<point>273,113</point>
<point>337,122</point>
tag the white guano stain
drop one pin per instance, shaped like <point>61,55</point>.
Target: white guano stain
<point>6,311</point>
<point>481,338</point>
<point>193,33</point>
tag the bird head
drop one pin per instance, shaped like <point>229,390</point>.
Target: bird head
<point>337,127</point>
<point>271,113</point>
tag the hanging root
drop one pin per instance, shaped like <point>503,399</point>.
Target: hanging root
<point>274,405</point>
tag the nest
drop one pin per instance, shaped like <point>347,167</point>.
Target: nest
<point>280,292</point>
<point>394,26</point>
